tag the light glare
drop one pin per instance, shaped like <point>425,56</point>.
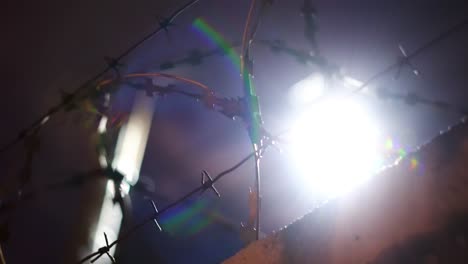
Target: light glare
<point>308,89</point>
<point>132,139</point>
<point>334,147</point>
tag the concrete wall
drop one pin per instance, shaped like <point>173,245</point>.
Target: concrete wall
<point>402,215</point>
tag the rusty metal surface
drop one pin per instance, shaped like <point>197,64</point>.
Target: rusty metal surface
<point>400,216</point>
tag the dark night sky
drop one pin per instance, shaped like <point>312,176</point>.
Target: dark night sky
<point>50,45</point>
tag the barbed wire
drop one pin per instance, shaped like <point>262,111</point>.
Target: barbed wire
<point>71,100</point>
<point>112,64</point>
<point>303,57</point>
<point>207,182</point>
<point>413,99</point>
<point>229,107</point>
<point>417,52</point>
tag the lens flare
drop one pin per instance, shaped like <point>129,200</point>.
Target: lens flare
<point>414,163</point>
<point>215,37</point>
<point>389,144</point>
<point>402,153</point>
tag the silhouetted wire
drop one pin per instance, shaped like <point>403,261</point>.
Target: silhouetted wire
<point>413,99</point>
<point>171,64</point>
<point>440,37</point>
<point>20,195</point>
<point>171,18</point>
<point>414,54</point>
<point>79,179</point>
<point>53,110</point>
<point>27,195</point>
<point>199,189</point>
<point>209,53</point>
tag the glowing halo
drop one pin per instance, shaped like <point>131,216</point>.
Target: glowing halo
<point>334,147</point>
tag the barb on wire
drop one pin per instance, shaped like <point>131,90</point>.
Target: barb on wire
<point>74,95</point>
<point>452,30</point>
<point>114,64</point>
<point>103,251</point>
<point>207,183</point>
<point>156,212</point>
<point>404,61</point>
<point>165,23</point>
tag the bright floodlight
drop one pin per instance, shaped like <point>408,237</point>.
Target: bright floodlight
<point>334,148</point>
<point>308,89</point>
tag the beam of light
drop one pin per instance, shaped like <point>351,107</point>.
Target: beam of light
<point>131,145</point>
<point>102,127</point>
<point>334,148</point>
